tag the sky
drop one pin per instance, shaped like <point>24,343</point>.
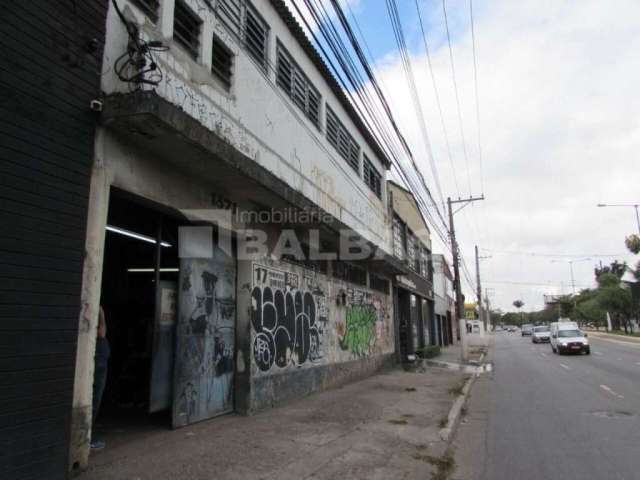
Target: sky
<point>559,130</point>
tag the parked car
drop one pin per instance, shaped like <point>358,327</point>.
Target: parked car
<point>527,329</point>
<point>566,337</point>
<point>541,334</point>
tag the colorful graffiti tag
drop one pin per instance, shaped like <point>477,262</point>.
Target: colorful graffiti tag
<point>289,322</point>
<point>360,330</point>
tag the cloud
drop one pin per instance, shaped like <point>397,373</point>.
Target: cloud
<point>560,133</point>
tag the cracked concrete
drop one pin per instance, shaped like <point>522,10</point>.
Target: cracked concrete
<point>347,432</point>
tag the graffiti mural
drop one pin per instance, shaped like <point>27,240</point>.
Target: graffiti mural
<point>205,339</point>
<point>289,317</point>
<point>359,334</point>
<point>366,323</point>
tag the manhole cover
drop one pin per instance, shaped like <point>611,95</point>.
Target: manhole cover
<point>612,414</point>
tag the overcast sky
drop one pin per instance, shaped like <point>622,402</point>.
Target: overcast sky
<point>560,112</point>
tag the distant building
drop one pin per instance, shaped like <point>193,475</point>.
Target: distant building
<point>413,291</point>
<point>446,325</point>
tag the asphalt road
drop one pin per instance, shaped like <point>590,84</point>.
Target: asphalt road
<point>539,415</point>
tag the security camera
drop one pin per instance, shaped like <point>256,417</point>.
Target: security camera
<point>96,105</point>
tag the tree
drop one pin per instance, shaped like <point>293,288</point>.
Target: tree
<point>519,304</point>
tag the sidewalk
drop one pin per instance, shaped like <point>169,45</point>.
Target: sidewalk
<point>386,426</point>
<point>613,336</point>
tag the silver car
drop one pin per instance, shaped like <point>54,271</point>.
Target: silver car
<point>541,334</point>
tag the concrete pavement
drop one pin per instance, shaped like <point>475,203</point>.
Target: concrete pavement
<point>384,427</point>
<point>544,416</point>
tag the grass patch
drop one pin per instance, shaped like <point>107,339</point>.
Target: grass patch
<point>622,334</point>
<point>459,387</point>
<point>398,421</point>
<point>445,465</point>
<point>443,422</point>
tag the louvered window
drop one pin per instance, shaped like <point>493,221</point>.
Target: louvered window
<point>293,81</point>
<point>186,28</point>
<point>230,12</point>
<point>221,62</point>
<point>149,7</point>
<point>255,35</point>
<point>371,177</point>
<point>343,142</point>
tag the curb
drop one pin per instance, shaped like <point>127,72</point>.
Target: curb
<point>453,419</point>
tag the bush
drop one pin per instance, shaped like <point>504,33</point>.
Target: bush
<point>429,351</point>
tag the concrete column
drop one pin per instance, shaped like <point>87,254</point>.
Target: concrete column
<point>90,303</point>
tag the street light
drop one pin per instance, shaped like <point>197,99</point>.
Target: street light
<point>571,262</point>
<point>634,205</point>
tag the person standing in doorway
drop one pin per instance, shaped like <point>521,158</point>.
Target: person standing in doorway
<point>101,360</point>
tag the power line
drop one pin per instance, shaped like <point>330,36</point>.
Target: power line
<point>552,255</point>
<point>475,84</point>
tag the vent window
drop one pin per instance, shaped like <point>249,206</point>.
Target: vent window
<point>255,35</point>
<point>343,142</point>
<point>297,86</point>
<point>372,177</point>
<point>221,62</point>
<point>186,28</point>
<point>149,7</point>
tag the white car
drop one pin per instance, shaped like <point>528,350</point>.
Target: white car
<point>566,337</point>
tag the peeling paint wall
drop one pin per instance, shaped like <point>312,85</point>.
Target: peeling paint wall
<point>255,116</point>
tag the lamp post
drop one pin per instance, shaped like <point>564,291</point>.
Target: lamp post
<point>634,205</point>
<point>571,262</point>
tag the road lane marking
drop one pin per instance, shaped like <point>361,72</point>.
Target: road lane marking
<point>543,354</point>
<point>607,389</point>
<point>566,367</point>
<point>598,353</point>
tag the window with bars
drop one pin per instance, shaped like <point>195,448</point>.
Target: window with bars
<point>411,251</point>
<point>372,178</point>
<point>186,28</point>
<point>378,283</point>
<point>149,7</point>
<point>221,62</point>
<point>256,31</point>
<point>398,238</point>
<point>293,81</point>
<point>344,143</point>
<point>350,273</point>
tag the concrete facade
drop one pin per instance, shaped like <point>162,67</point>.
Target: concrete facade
<point>190,147</point>
<point>444,298</point>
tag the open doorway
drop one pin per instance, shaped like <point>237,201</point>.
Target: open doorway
<point>139,299</point>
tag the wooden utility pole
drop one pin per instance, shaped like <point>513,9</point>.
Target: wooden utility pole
<point>462,324</point>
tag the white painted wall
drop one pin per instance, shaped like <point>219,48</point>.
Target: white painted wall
<point>255,115</point>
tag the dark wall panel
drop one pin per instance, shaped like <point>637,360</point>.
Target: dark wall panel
<point>49,73</point>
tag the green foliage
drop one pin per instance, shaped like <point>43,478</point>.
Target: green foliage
<point>616,268</point>
<point>430,351</point>
<point>518,304</point>
<point>633,243</point>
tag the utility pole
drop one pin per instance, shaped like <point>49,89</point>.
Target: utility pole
<point>462,324</point>
<point>479,291</point>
